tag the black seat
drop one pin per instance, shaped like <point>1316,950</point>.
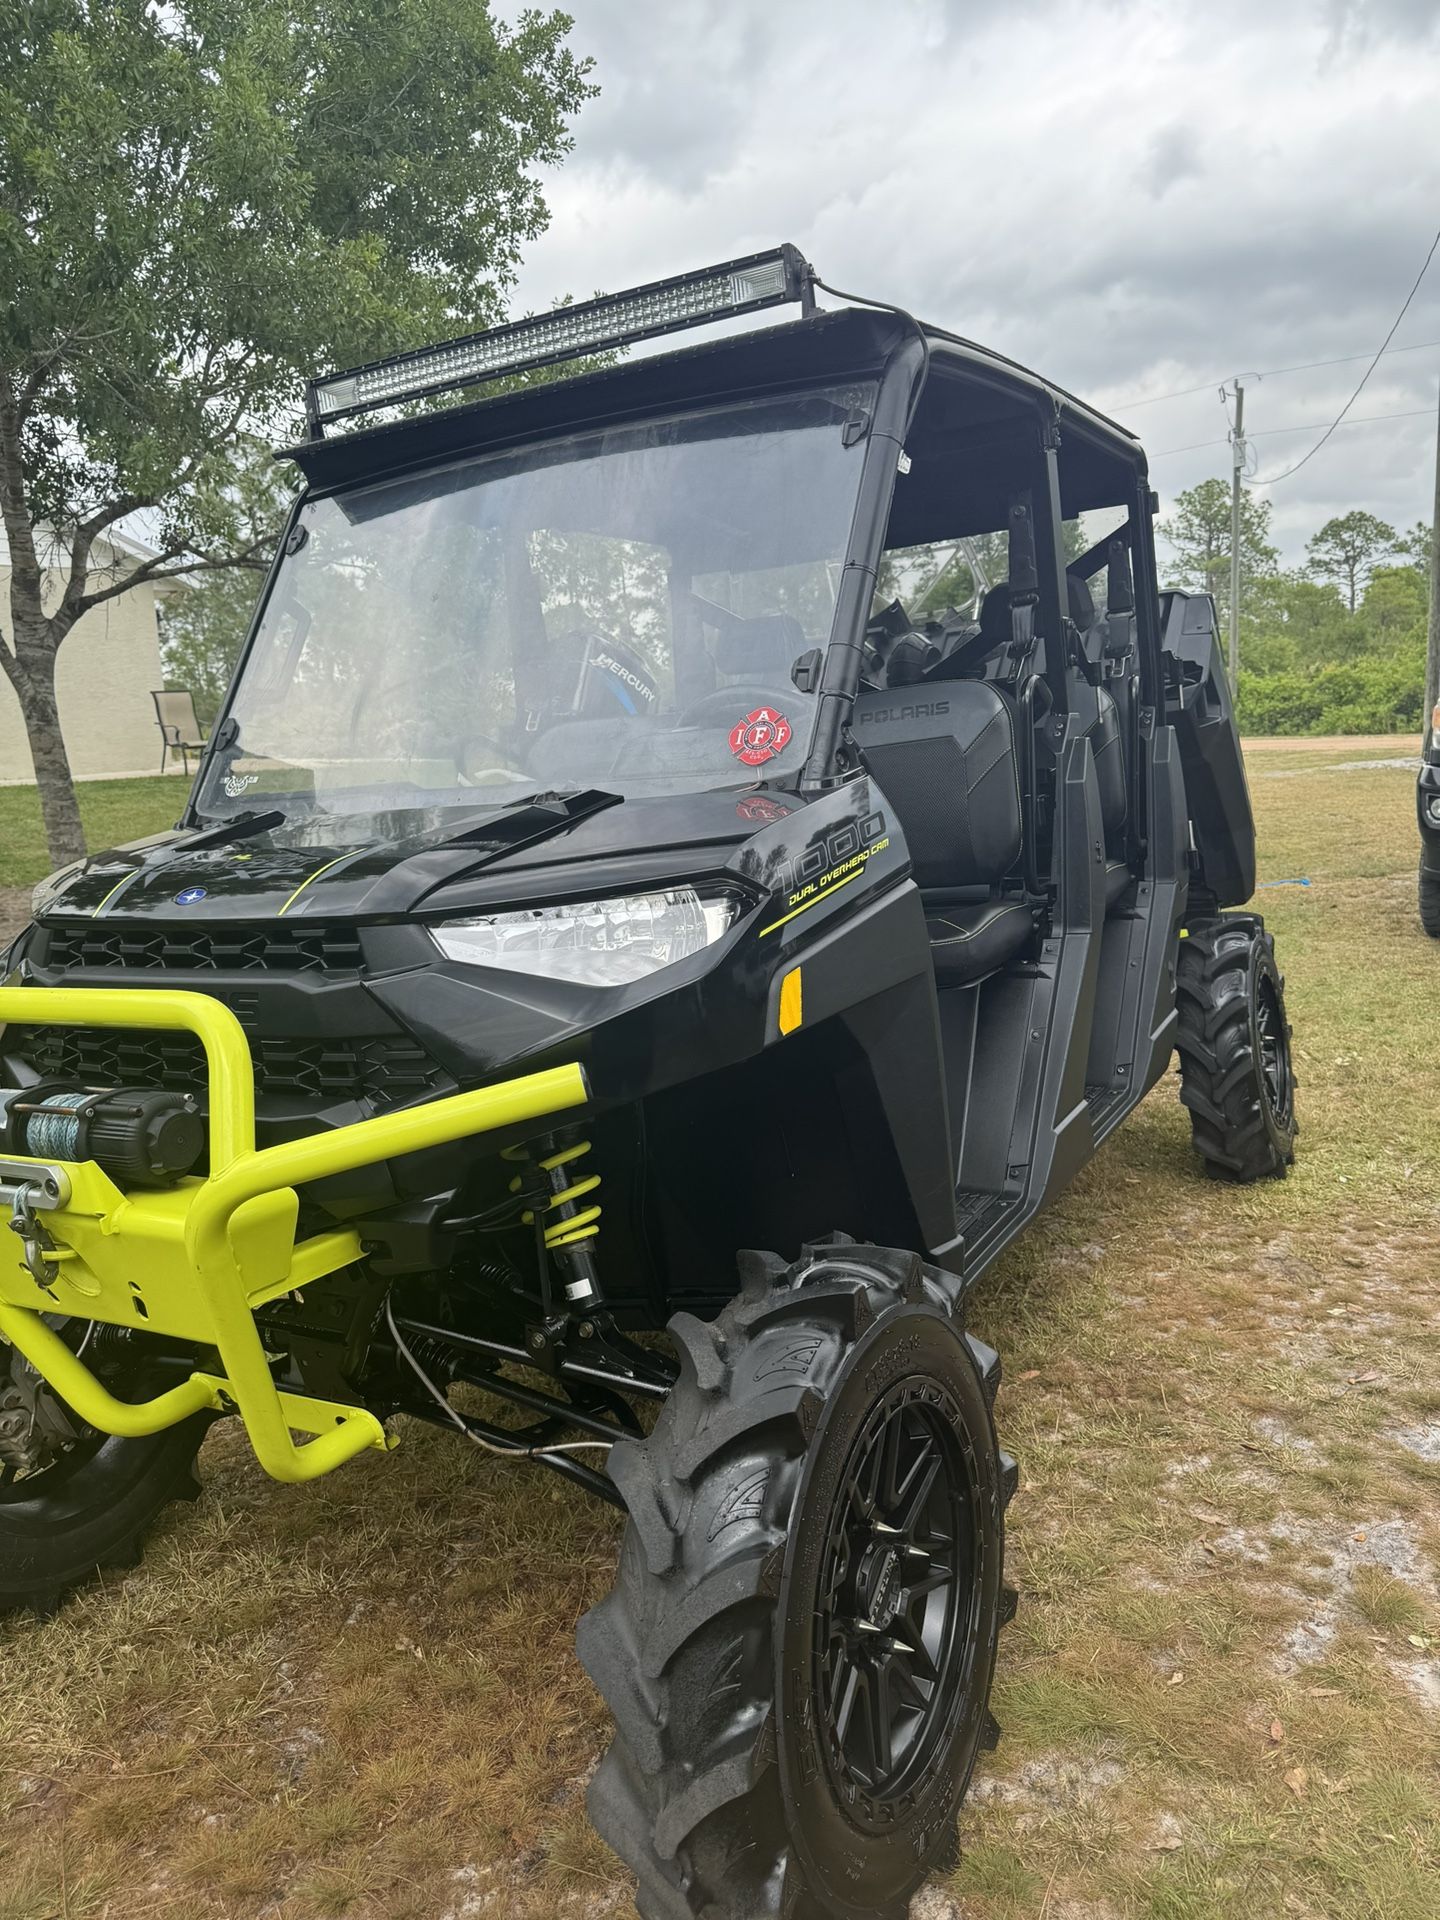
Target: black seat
<point>1100,720</point>
<point>944,759</point>
<point>967,942</point>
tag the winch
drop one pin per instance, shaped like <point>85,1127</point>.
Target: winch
<point>142,1137</point>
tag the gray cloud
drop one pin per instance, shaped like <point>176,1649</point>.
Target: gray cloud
<point>1174,154</point>
<point>1136,198</point>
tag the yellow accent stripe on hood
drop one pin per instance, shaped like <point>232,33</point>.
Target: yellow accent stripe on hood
<point>340,860</point>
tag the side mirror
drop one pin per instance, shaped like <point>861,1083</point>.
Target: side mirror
<point>805,672</point>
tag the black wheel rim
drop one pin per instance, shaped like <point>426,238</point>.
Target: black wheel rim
<point>1273,1040</point>
<point>896,1602</point>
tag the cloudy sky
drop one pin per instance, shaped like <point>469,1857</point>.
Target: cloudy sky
<point>1133,198</point>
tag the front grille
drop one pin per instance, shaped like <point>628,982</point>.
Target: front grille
<point>387,1071</point>
<point>216,949</point>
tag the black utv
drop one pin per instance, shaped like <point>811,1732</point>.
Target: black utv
<point>1427,806</point>
<point>705,789</point>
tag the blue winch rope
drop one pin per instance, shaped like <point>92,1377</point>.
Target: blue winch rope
<point>53,1131</point>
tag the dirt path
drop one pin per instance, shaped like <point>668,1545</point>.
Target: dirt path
<point>1356,743</point>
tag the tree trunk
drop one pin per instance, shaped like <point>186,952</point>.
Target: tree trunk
<point>34,682</point>
<point>29,661</point>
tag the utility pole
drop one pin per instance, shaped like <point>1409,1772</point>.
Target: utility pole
<point>1237,468</point>
<point>1432,653</point>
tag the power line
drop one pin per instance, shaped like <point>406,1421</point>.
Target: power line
<point>1312,426</point>
<point>1270,479</point>
<point>1267,373</point>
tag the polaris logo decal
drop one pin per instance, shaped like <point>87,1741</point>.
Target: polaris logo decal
<point>920,710</point>
<point>190,896</point>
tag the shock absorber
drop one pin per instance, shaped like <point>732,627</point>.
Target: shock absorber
<point>569,1224</point>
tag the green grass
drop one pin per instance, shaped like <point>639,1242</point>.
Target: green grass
<point>359,1698</point>
<point>113,812</point>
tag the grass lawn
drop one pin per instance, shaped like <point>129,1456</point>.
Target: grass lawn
<point>113,811</point>
<point>1221,1695</point>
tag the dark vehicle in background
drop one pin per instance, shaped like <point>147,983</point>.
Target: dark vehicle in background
<point>1427,807</point>
<point>611,810</point>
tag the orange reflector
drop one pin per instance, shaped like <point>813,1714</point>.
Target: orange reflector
<point>790,1001</point>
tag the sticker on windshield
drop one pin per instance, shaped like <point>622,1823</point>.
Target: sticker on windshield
<point>760,736</point>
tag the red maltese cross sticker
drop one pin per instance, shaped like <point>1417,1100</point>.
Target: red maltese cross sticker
<point>760,736</point>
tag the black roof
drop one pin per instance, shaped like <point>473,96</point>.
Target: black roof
<point>823,348</point>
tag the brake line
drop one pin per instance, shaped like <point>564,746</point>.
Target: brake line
<point>459,1422</point>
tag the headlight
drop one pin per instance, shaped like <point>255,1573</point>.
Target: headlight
<point>50,890</point>
<point>595,943</point>
<point>1432,807</point>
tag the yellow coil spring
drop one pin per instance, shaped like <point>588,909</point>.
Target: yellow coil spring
<point>576,1225</point>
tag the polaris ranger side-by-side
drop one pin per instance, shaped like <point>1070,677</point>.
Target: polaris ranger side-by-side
<point>616,855</point>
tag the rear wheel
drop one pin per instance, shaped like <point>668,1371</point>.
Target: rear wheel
<point>1430,902</point>
<point>74,1501</point>
<point>799,1647</point>
<point>1234,1044</point>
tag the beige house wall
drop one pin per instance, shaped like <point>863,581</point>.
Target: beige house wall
<point>109,665</point>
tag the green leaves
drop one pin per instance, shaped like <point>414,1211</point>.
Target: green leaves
<point>203,203</point>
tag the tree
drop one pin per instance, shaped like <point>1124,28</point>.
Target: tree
<point>1292,621</point>
<point>1414,547</point>
<point>1394,607</point>
<point>200,202</point>
<point>1198,533</point>
<point>1347,548</point>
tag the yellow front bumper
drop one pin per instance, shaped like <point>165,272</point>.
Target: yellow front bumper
<point>194,1261</point>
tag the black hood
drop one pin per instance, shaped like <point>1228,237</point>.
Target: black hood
<point>334,869</point>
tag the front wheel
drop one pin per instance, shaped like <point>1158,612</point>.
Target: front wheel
<point>799,1647</point>
<point>1233,1039</point>
<point>73,1501</point>
<point>1430,902</point>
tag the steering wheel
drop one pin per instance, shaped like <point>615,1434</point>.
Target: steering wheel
<point>503,767</point>
<point>731,704</point>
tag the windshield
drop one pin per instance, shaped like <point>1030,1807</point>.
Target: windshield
<point>621,610</point>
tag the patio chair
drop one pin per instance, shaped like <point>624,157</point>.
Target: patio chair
<point>180,731</point>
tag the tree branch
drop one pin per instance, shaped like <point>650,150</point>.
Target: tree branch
<point>160,569</point>
<point>82,541</point>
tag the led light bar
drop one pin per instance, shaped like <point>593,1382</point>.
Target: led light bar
<point>665,306</point>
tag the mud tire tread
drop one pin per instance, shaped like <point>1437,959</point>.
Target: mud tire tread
<point>1221,1082</point>
<point>688,1794</point>
<point>112,1536</point>
<point>1430,902</point>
